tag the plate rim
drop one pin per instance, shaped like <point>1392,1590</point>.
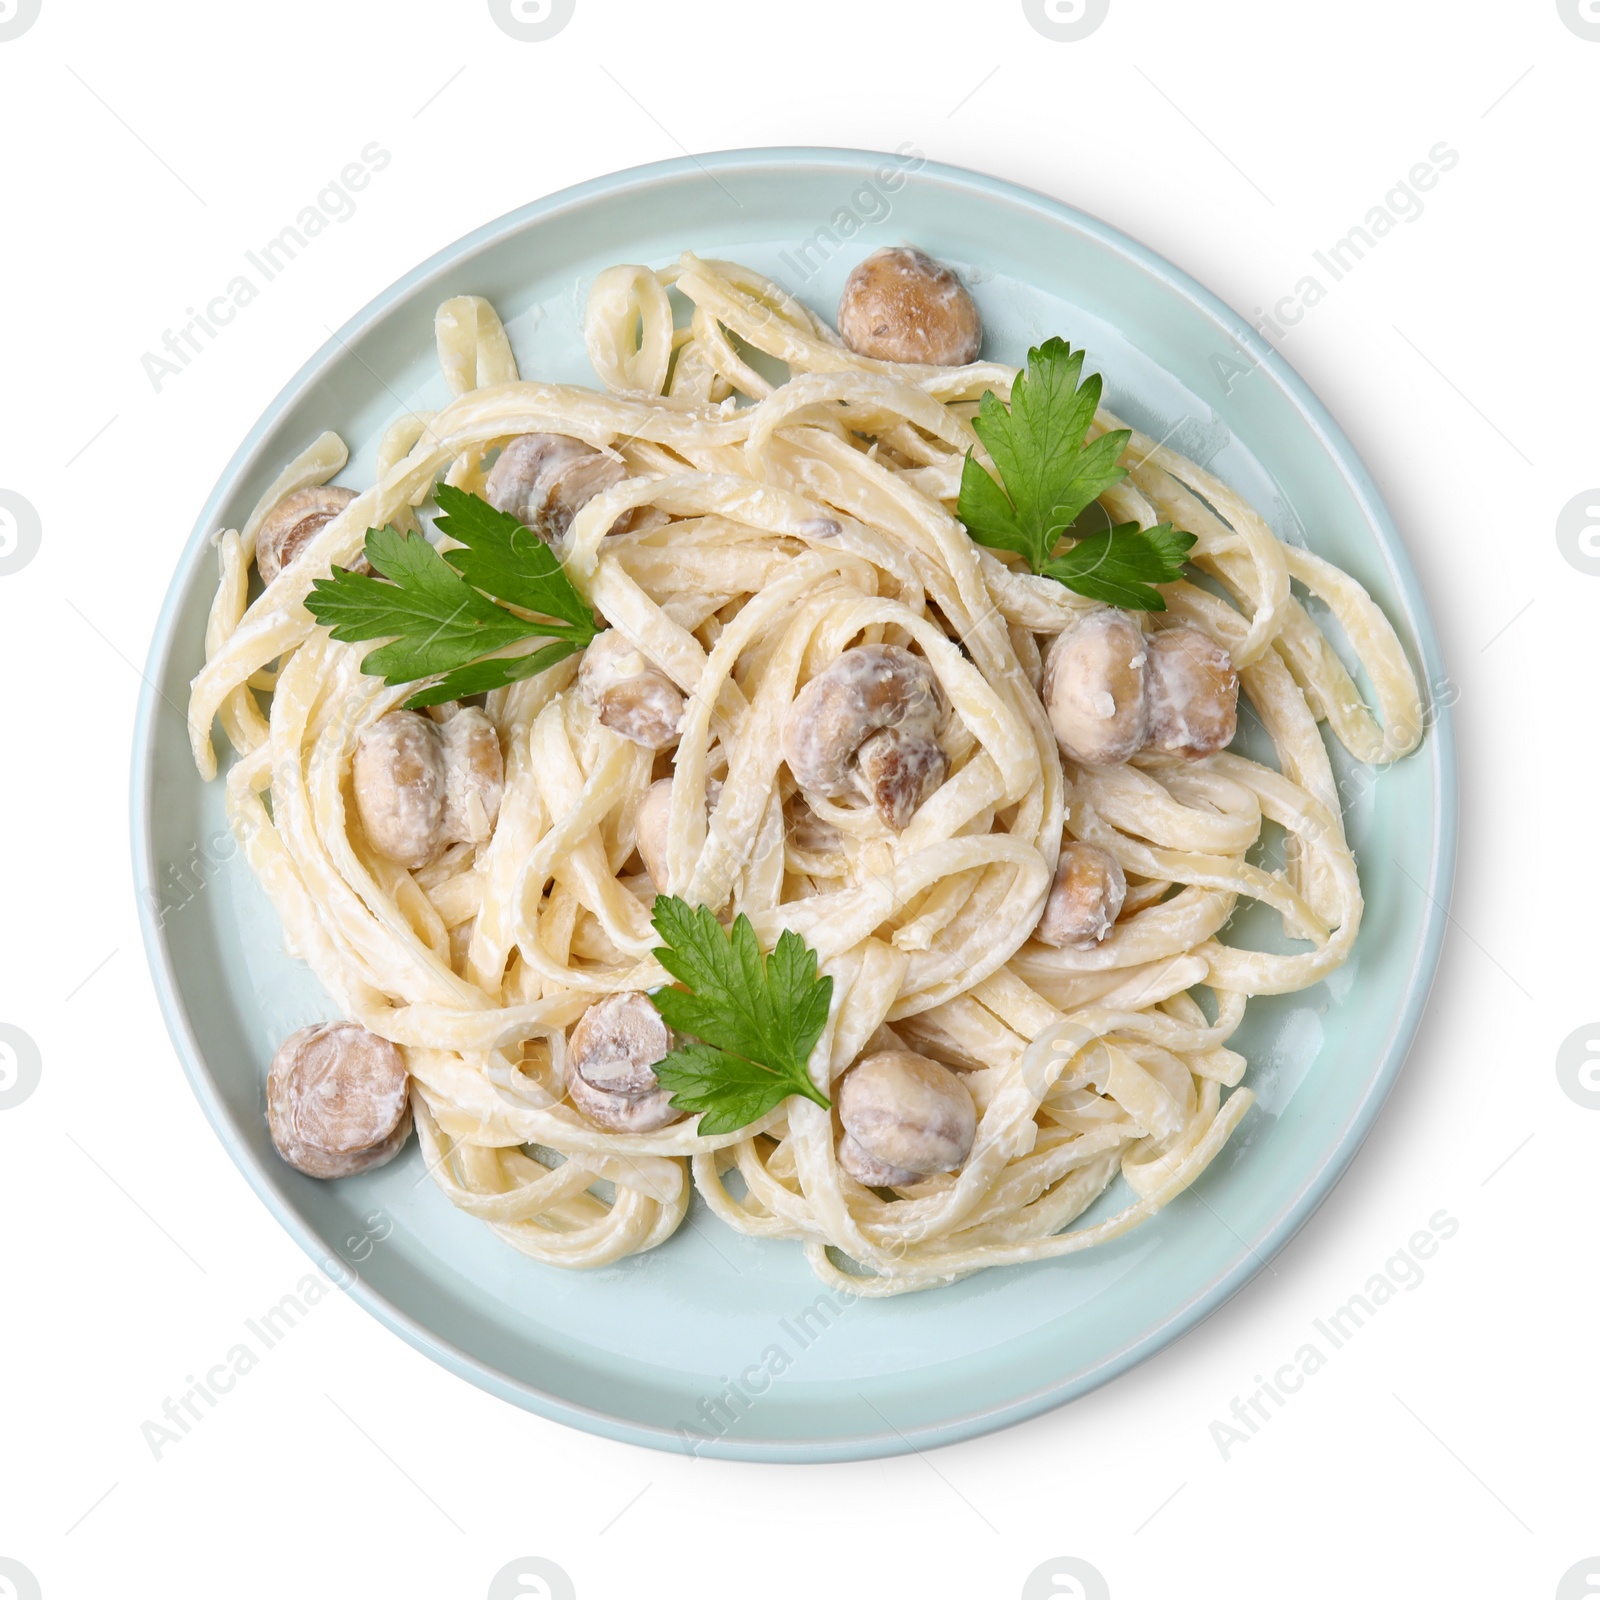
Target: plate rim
<point>1291,1216</point>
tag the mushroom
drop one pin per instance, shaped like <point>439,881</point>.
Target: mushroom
<point>900,772</point>
<point>902,305</point>
<point>811,835</point>
<point>610,1058</point>
<point>545,479</point>
<point>474,776</point>
<point>420,786</point>
<point>1085,899</point>
<point>294,522</point>
<point>630,696</point>
<point>868,725</point>
<point>905,1118</point>
<point>338,1100</point>
<point>1194,694</point>
<point>1094,688</point>
<point>650,831</point>
<point>650,826</point>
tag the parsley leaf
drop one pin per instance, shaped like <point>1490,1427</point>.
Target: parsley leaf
<point>729,1092</point>
<point>441,611</point>
<point>494,673</point>
<point>757,1018</point>
<point>1049,476</point>
<point>1119,565</point>
<point>440,620</point>
<point>507,559</point>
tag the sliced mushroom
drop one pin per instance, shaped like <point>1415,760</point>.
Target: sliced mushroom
<point>902,305</point>
<point>294,522</point>
<point>904,1117</point>
<point>1085,899</point>
<point>420,787</point>
<point>1194,694</point>
<point>1094,688</point>
<point>338,1100</point>
<point>869,725</point>
<point>545,479</point>
<point>610,1058</point>
<point>630,696</point>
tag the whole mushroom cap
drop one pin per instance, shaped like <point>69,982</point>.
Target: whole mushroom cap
<point>474,776</point>
<point>868,724</point>
<point>338,1100</point>
<point>1194,694</point>
<point>399,779</point>
<point>902,305</point>
<point>1094,688</point>
<point>909,1117</point>
<point>1085,899</point>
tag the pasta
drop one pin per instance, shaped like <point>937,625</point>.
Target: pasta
<point>760,527</point>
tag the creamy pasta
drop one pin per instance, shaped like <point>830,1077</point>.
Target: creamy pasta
<point>756,531</point>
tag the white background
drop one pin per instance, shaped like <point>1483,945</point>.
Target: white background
<point>1449,1447</point>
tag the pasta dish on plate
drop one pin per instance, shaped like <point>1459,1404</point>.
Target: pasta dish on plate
<point>795,771</point>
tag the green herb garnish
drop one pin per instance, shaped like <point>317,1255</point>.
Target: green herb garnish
<point>1049,476</point>
<point>444,613</point>
<point>757,1018</point>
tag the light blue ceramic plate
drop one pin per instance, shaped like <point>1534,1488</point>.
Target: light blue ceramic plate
<point>636,1351</point>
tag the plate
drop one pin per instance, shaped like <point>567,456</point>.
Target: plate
<point>718,1344</point>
